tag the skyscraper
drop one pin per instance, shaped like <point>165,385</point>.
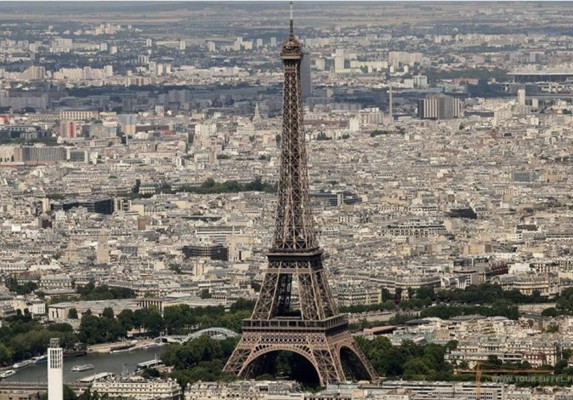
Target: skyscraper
<point>296,311</point>
<point>55,370</point>
<point>305,76</point>
<point>440,107</point>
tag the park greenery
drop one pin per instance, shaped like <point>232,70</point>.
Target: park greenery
<point>22,337</point>
<point>47,140</point>
<point>408,361</point>
<point>210,186</point>
<point>203,359</point>
<point>563,305</point>
<point>104,292</point>
<point>176,320</point>
<point>92,292</point>
<point>485,299</point>
<point>20,288</point>
<point>108,328</point>
<point>501,309</point>
<point>183,319</point>
<point>199,359</point>
<point>323,136</point>
<point>379,132</point>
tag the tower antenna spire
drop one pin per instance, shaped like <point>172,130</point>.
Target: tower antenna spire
<point>291,21</point>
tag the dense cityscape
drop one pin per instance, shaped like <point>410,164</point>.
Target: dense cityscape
<point>200,202</point>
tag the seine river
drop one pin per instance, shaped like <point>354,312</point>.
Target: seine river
<point>116,363</point>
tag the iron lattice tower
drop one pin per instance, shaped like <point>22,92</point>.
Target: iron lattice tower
<point>295,310</point>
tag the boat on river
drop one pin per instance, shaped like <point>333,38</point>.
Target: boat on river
<point>22,364</point>
<point>40,359</point>
<point>7,373</point>
<point>81,368</point>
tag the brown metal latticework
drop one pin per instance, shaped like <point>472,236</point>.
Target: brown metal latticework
<point>295,310</point>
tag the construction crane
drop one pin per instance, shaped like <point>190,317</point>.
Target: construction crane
<point>478,371</point>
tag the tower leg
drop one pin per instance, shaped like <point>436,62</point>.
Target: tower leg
<point>320,349</point>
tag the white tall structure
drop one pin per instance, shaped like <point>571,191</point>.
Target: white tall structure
<point>102,253</point>
<point>521,97</point>
<point>55,370</point>
<point>108,71</point>
<point>339,61</point>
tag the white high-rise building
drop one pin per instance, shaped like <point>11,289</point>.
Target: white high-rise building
<point>102,253</point>
<point>521,97</point>
<point>339,59</point>
<point>535,102</point>
<point>55,370</point>
<point>420,81</point>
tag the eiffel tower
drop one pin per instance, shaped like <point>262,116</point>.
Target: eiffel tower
<point>306,322</point>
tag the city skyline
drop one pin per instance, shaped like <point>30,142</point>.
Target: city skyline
<point>169,170</point>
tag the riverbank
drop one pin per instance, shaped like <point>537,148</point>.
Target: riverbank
<point>124,345</point>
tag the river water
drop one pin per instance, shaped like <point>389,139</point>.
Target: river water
<point>116,363</point>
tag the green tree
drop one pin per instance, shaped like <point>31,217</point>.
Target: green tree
<point>209,183</point>
<point>178,319</point>
<point>256,185</point>
<point>21,289</point>
<point>242,305</point>
<point>552,329</point>
<point>5,355</point>
<point>416,369</point>
<point>426,293</point>
<point>60,327</point>
<point>153,322</point>
<point>564,304</point>
<point>107,313</point>
<point>323,136</point>
<point>100,330</point>
<point>493,361</point>
<point>126,319</point>
<point>91,330</point>
<point>550,312</point>
<point>73,313</point>
<point>560,366</point>
<point>69,394</point>
<point>139,316</point>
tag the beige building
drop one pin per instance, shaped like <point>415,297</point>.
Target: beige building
<point>78,115</point>
<point>536,351</point>
<point>139,388</point>
<point>244,390</point>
